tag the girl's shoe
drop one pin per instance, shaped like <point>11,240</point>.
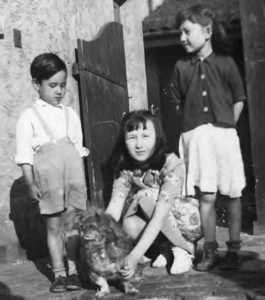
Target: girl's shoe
<point>231,262</point>
<point>159,262</point>
<point>182,261</point>
<point>144,260</point>
<point>210,258</point>
<point>232,258</point>
<point>59,285</point>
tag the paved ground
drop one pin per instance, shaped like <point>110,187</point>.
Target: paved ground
<point>25,280</point>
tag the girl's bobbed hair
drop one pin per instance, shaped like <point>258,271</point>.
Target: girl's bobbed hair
<point>45,66</point>
<point>205,15</point>
<point>121,160</point>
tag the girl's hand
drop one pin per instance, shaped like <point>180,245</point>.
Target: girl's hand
<point>34,193</point>
<point>129,267</point>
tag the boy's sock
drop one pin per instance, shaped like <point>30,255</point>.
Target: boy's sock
<point>59,271</point>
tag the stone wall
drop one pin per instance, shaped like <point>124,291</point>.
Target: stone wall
<point>45,25</point>
<point>131,19</point>
<point>50,26</point>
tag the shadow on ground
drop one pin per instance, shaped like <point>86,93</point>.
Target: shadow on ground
<point>5,293</point>
<point>28,223</point>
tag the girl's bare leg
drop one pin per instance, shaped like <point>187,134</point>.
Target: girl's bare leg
<point>232,259</point>
<point>133,226</point>
<point>208,219</point>
<point>234,215</point>
<point>208,216</point>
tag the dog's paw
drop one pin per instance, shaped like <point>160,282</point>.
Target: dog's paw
<point>130,289</point>
<point>103,287</point>
<point>102,292</point>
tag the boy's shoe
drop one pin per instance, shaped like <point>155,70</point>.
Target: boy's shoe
<point>210,258</point>
<point>231,262</point>
<point>182,262</point>
<point>73,283</point>
<point>59,285</point>
<point>160,261</point>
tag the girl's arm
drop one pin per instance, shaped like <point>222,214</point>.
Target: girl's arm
<point>149,235</point>
<point>120,192</point>
<point>170,189</point>
<point>238,107</point>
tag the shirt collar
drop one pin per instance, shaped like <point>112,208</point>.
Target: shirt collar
<point>209,58</point>
<point>42,103</point>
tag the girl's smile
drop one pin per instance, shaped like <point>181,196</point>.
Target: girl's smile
<point>141,142</point>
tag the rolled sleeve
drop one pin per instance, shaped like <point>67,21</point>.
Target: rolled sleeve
<point>235,82</point>
<point>24,140</point>
<point>174,88</point>
<point>76,134</point>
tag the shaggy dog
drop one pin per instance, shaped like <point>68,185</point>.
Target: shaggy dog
<point>104,246</point>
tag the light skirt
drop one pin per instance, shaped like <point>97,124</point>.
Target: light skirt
<point>213,160</point>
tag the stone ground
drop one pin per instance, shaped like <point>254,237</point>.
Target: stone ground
<point>28,280</point>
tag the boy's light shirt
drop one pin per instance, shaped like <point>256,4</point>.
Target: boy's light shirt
<point>30,133</point>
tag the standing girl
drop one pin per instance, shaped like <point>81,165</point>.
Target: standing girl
<point>49,146</point>
<point>208,91</point>
<point>148,181</point>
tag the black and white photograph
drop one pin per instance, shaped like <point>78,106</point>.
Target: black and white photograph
<point>132,149</point>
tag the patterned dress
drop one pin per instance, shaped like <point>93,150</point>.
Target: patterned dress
<point>143,190</point>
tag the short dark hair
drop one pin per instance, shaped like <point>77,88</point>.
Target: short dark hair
<point>121,160</point>
<point>45,66</point>
<point>205,15</point>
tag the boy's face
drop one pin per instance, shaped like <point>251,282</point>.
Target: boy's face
<point>194,36</point>
<point>141,142</point>
<point>52,90</point>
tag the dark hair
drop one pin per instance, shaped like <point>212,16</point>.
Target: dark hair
<point>204,15</point>
<point>45,66</point>
<point>121,160</point>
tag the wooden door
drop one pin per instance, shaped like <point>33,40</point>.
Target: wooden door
<point>253,30</point>
<point>104,98</point>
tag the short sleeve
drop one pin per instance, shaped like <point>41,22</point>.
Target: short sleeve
<point>235,81</point>
<point>121,186</point>
<point>172,179</point>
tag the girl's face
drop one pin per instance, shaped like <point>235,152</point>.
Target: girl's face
<point>194,37</point>
<point>141,143</point>
<point>52,90</point>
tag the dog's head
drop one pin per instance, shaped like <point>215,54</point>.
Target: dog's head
<point>91,225</point>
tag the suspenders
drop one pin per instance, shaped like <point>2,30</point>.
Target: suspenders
<point>45,125</point>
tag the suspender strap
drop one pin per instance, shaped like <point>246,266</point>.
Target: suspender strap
<point>44,124</point>
<point>66,113</point>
